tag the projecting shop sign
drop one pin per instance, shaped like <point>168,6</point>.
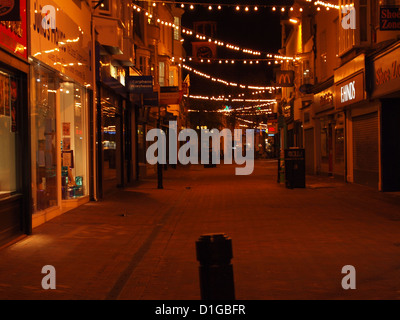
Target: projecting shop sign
<point>285,78</point>
<point>140,84</point>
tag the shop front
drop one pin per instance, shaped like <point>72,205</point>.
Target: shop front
<point>361,123</point>
<point>60,101</point>
<point>384,68</point>
<point>15,217</point>
<point>330,124</point>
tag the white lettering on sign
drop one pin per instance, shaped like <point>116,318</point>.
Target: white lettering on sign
<point>348,92</point>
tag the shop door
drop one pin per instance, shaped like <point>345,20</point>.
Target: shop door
<point>365,150</point>
<point>309,147</point>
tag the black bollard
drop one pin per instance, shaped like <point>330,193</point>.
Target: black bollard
<point>159,176</point>
<point>214,252</point>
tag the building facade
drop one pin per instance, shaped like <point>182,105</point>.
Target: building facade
<point>15,188</point>
<point>71,129</point>
<point>345,90</point>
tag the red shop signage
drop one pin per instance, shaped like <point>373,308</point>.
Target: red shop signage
<point>13,34</point>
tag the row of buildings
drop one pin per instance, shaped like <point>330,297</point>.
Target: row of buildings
<point>81,82</point>
<point>344,103</point>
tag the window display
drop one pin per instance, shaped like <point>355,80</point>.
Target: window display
<point>44,139</point>
<point>73,141</point>
<point>8,173</point>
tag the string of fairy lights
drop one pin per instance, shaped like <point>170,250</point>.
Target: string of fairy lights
<point>269,58</point>
<point>190,32</point>
<point>227,83</point>
<point>247,8</point>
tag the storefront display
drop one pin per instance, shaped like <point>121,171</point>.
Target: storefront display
<point>61,77</point>
<point>73,141</point>
<point>59,139</point>
<point>44,139</point>
<point>8,172</point>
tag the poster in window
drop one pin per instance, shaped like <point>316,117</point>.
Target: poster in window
<point>66,128</point>
<point>1,95</point>
<point>68,159</point>
<point>7,96</point>
<point>66,144</point>
<point>14,95</point>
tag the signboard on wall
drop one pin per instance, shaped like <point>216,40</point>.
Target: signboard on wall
<point>61,38</point>
<point>324,100</point>
<point>389,18</point>
<point>13,27</point>
<point>386,73</point>
<point>350,91</point>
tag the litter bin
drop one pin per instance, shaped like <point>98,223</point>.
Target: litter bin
<point>295,168</point>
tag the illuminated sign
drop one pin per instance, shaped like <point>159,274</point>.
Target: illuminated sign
<point>324,100</point>
<point>350,91</point>
<point>13,33</point>
<point>61,38</point>
<point>285,78</point>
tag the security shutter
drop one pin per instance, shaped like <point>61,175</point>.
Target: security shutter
<point>366,150</point>
<point>309,146</point>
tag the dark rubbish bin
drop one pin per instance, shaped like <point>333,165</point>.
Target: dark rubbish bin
<point>295,168</point>
<point>214,252</point>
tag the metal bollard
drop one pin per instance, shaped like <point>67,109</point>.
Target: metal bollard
<point>214,252</point>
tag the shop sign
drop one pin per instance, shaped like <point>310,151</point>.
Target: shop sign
<point>140,84</point>
<point>150,99</point>
<point>170,98</point>
<point>9,10</point>
<point>13,25</point>
<point>324,100</point>
<point>350,91</point>
<point>204,50</point>
<point>389,18</point>
<point>285,78</point>
<point>61,38</point>
<point>386,74</point>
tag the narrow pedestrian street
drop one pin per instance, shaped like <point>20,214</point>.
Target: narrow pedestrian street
<point>139,242</point>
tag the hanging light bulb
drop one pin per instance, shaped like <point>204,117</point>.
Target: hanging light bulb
<point>191,6</point>
<point>219,7</point>
<point>237,8</point>
<point>273,9</point>
<point>210,8</point>
<point>255,8</point>
<point>246,9</point>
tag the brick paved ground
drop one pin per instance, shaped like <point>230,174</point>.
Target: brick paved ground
<point>139,243</point>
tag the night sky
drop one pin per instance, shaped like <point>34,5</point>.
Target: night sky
<point>253,30</point>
